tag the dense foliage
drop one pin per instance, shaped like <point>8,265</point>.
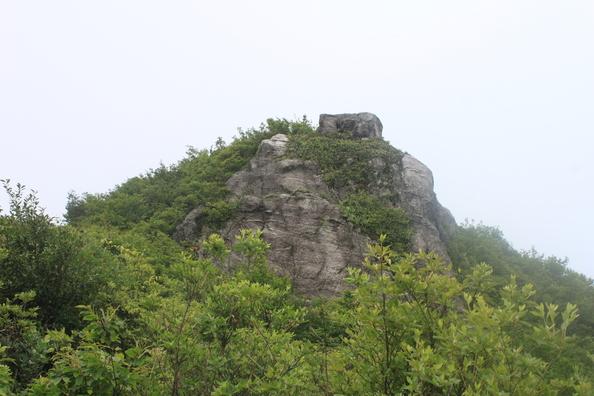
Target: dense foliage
<point>404,328</point>
<point>347,163</point>
<point>110,305</point>
<point>554,281</point>
<point>375,218</point>
<point>56,262</point>
<point>161,198</point>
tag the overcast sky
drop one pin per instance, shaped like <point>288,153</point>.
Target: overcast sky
<point>496,97</point>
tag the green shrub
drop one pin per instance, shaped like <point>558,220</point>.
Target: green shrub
<point>53,261</point>
<point>473,244</point>
<point>346,163</point>
<point>375,218</point>
<point>163,196</point>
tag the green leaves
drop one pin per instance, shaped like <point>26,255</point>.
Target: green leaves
<point>411,334</point>
<point>6,380</point>
<point>549,316</point>
<point>553,282</point>
<point>163,196</point>
<point>376,218</point>
<point>52,260</point>
<point>348,165</point>
<point>266,362</point>
<point>214,246</point>
<point>157,320</point>
<point>251,246</point>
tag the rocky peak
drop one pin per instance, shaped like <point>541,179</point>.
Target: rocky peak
<point>300,215</point>
<point>360,125</point>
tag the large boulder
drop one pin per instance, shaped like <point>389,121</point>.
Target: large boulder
<point>359,125</point>
<point>287,199</point>
<point>432,223</point>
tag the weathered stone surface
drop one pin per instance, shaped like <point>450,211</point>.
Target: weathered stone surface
<point>360,125</point>
<point>432,223</point>
<point>286,198</point>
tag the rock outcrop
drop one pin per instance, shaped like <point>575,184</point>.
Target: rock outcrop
<point>432,223</point>
<point>312,243</point>
<point>286,198</point>
<point>360,125</point>
<point>189,228</point>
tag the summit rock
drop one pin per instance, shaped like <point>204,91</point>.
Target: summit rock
<point>299,213</point>
<point>359,125</point>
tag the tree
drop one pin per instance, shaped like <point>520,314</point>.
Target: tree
<point>417,330</point>
<point>51,260</point>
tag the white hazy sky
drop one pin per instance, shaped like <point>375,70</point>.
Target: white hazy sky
<point>496,97</point>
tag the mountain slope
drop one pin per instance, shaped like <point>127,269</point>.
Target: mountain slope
<point>207,316</point>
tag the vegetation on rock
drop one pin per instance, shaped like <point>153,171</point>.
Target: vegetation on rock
<point>348,164</point>
<point>353,168</point>
<point>162,197</point>
<point>375,218</point>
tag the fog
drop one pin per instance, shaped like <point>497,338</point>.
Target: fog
<point>496,97</point>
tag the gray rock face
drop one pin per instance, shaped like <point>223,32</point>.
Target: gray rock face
<point>360,125</point>
<point>189,227</point>
<point>286,198</point>
<point>432,223</point>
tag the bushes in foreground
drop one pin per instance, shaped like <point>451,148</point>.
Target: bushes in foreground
<point>405,327</point>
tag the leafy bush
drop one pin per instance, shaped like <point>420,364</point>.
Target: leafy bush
<point>24,347</point>
<point>417,330</point>
<point>403,328</point>
<point>51,260</point>
<point>347,164</point>
<point>375,218</point>
<point>162,197</point>
<point>554,281</point>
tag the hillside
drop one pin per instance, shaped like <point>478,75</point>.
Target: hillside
<point>289,261</point>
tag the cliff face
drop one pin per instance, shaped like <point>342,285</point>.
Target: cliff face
<point>286,198</point>
<point>299,214</point>
<point>432,223</point>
